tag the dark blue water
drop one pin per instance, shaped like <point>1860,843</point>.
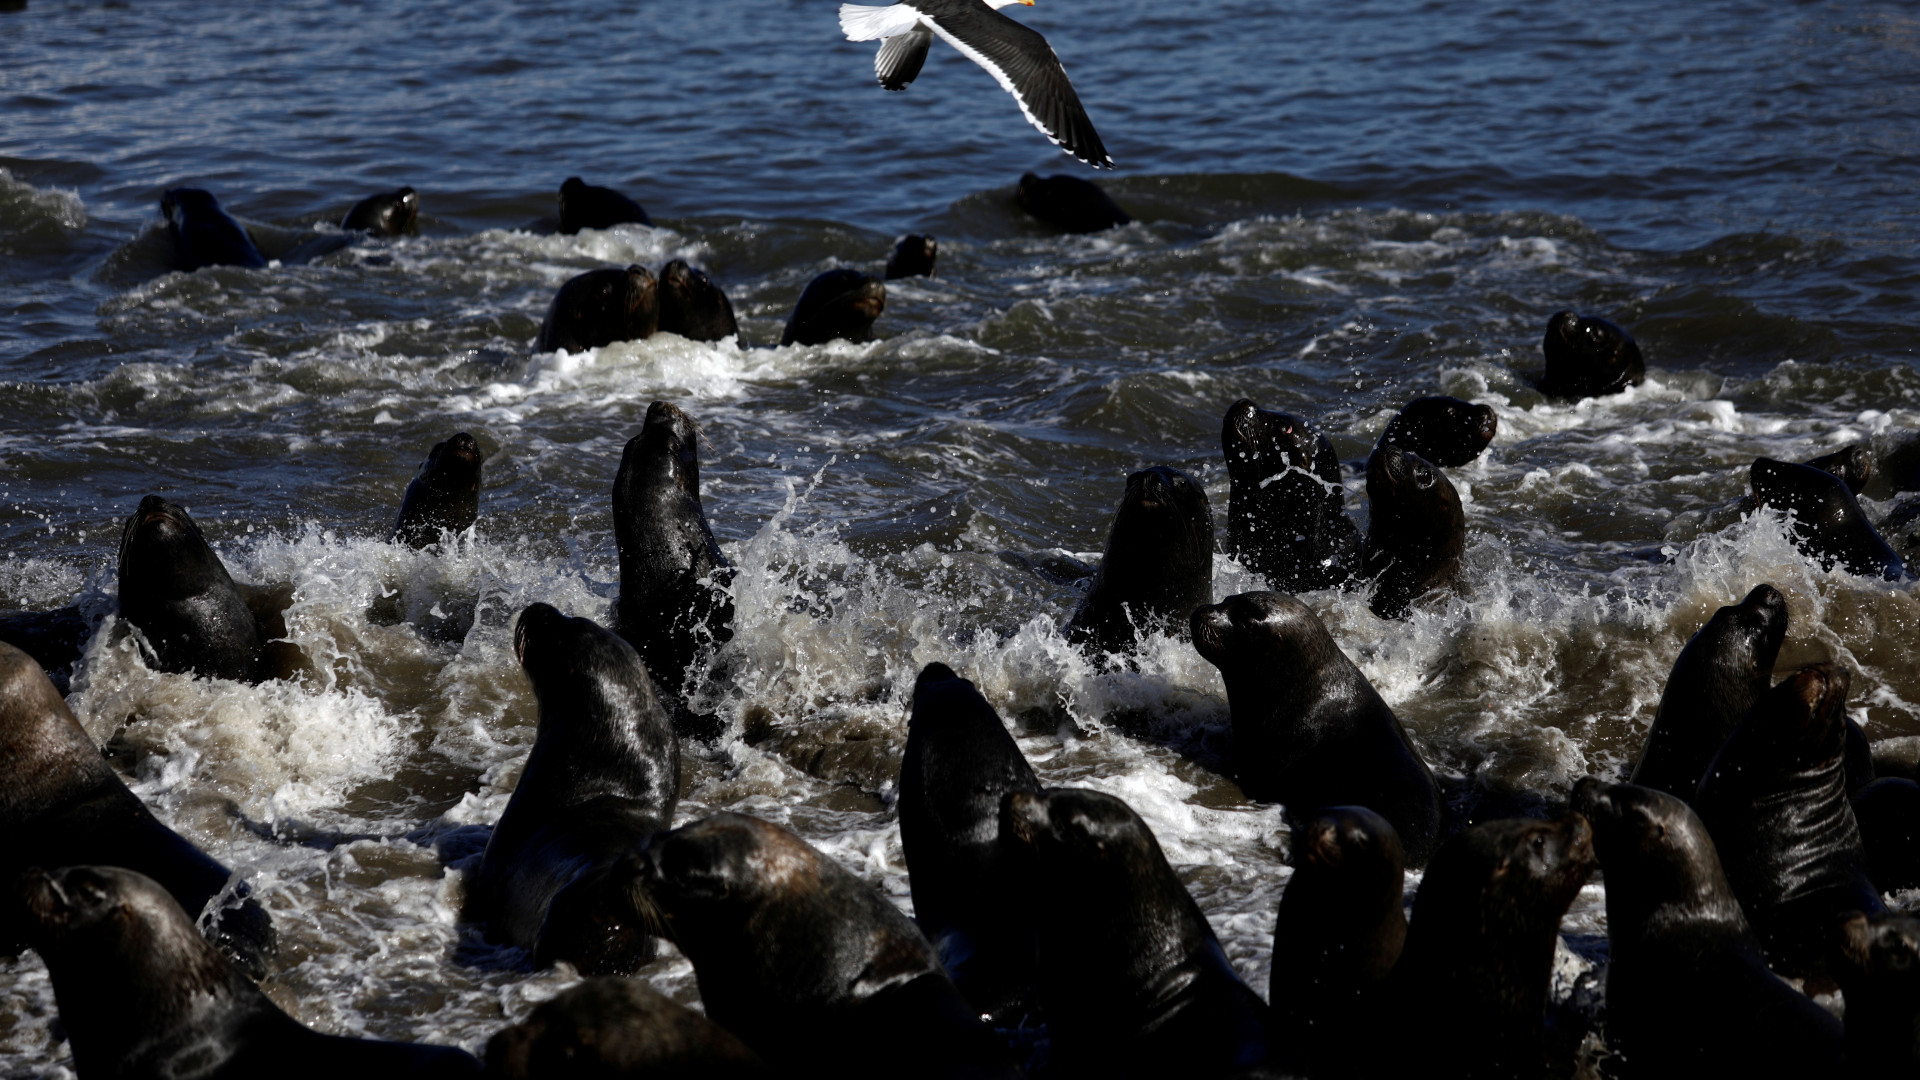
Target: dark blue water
<point>1338,209</point>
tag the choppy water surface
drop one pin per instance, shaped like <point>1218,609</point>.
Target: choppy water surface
<point>1339,209</point>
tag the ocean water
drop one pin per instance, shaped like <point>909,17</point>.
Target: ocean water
<point>1339,209</point>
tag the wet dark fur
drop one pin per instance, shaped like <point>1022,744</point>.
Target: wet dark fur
<point>1069,203</point>
<point>604,1028</point>
<point>1589,357</point>
<point>444,496</point>
<point>1775,801</point>
<point>603,776</point>
<point>959,763</point>
<point>1688,989</point>
<point>1829,525</point>
<point>1445,430</point>
<point>585,206</point>
<point>1286,509</point>
<point>1158,565</point>
<point>692,306</point>
<point>1877,963</point>
<point>599,308</point>
<point>391,213</point>
<point>1416,530</point>
<point>913,256</point>
<point>178,592</point>
<point>839,305</point>
<point>204,234</point>
<point>1133,982</point>
<point>807,964</point>
<point>1308,729</point>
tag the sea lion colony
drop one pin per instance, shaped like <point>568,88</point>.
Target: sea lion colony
<point>1050,934</point>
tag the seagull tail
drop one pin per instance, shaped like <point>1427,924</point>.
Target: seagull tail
<point>864,23</point>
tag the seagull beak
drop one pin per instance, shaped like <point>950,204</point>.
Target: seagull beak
<point>1029,3</point>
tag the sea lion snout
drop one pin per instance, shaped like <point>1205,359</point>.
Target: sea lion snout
<point>1024,816</point>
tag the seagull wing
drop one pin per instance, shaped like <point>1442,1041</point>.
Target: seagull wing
<point>900,58</point>
<point>1025,65</point>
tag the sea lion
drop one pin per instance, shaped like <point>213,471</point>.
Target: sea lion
<point>1829,525</point>
<point>1589,357</point>
<point>62,804</point>
<point>1888,814</point>
<point>1877,964</point>
<point>444,497</point>
<point>1416,530</point>
<point>55,639</point>
<point>1286,509</point>
<point>204,234</point>
<point>1338,933</point>
<point>603,776</point>
<point>604,1028</point>
<point>584,206</point>
<point>1688,991</point>
<point>141,994</point>
<point>1725,667</point>
<point>1069,203</point>
<point>599,308</point>
<point>194,615</point>
<point>1133,982</point>
<point>1852,463</point>
<point>837,305</point>
<point>1775,801</point>
<point>959,762</point>
<point>806,963</point>
<point>692,306</point>
<point>1444,430</point>
<point>1309,730</point>
<point>674,597</point>
<point>913,256</point>
<point>1158,564</point>
<point>1471,986</point>
<point>391,213</point>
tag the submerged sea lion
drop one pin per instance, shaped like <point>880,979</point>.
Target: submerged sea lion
<point>1133,982</point>
<point>142,995</point>
<point>194,615</point>
<point>603,776</point>
<point>1589,357</point>
<point>839,305</point>
<point>1829,525</point>
<point>391,213</point>
<point>1877,964</point>
<point>604,1028</point>
<point>807,964</point>
<point>1339,931</point>
<point>61,804</point>
<point>584,206</point>
<point>1416,530</point>
<point>913,256</point>
<point>444,497</point>
<point>1725,667</point>
<point>599,308</point>
<point>1775,800</point>
<point>674,600</point>
<point>204,234</point>
<point>1158,564</point>
<point>1444,430</point>
<point>1688,990</point>
<point>692,306</point>
<point>959,763</point>
<point>1308,729</point>
<point>1069,203</point>
<point>1852,463</point>
<point>1286,509</point>
<point>1471,986</point>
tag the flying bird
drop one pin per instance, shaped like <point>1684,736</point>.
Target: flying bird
<point>1018,57</point>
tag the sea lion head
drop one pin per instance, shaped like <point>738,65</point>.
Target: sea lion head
<point>666,453</point>
<point>453,466</point>
<point>1444,430</point>
<point>1658,858</point>
<point>388,214</point>
<point>598,708</point>
<point>1589,356</point>
<point>162,547</point>
<point>913,255</point>
<point>606,1027</point>
<point>179,203</point>
<point>1800,724</point>
<point>1258,629</point>
<point>1260,445</point>
<point>1164,512</point>
<point>702,874</point>
<point>1399,474</point>
<point>1852,463</point>
<point>1813,496</point>
<point>1518,875</point>
<point>692,306</point>
<point>1090,838</point>
<point>1878,955</point>
<point>1746,637</point>
<point>1350,837</point>
<point>839,303</point>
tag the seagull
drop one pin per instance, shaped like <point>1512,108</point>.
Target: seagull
<point>1018,57</point>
